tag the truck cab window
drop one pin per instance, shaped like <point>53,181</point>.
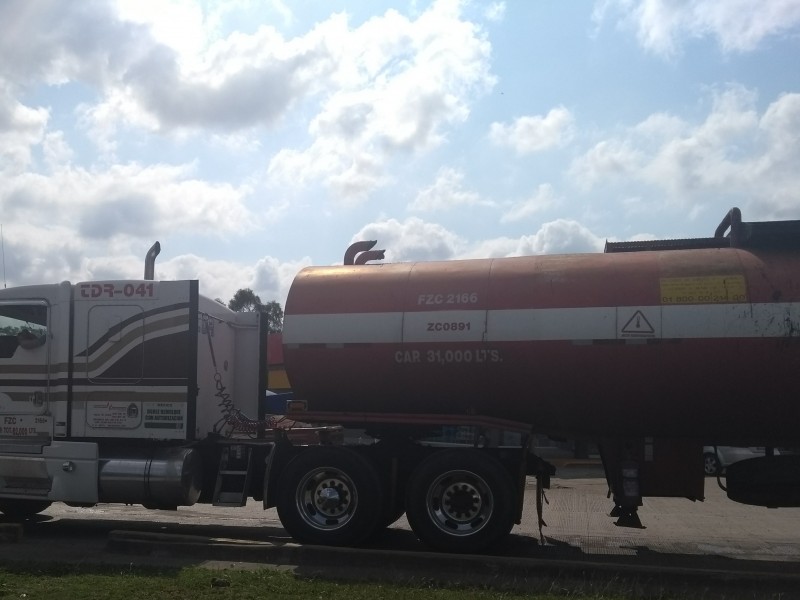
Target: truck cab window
<point>22,326</point>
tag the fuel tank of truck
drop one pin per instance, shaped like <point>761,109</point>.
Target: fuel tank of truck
<point>697,342</point>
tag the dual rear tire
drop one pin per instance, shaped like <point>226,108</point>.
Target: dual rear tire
<point>456,500</point>
<point>460,501</point>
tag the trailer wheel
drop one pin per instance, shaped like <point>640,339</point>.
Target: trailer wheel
<point>329,496</point>
<point>711,464</point>
<point>17,508</point>
<point>460,501</point>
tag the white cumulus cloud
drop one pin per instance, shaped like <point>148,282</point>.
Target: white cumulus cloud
<point>543,199</point>
<point>748,157</point>
<point>664,26</point>
<point>398,84</point>
<point>535,133</point>
<point>21,129</point>
<point>445,193</point>
<point>412,240</point>
<point>562,236</point>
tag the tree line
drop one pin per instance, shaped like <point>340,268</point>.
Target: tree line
<point>246,300</point>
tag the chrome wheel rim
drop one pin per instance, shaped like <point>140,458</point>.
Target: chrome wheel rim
<point>459,503</point>
<point>326,498</point>
<point>710,465</point>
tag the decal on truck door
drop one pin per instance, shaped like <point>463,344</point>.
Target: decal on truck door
<point>118,354</point>
<point>131,371</point>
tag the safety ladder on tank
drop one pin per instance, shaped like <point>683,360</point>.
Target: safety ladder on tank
<point>233,476</point>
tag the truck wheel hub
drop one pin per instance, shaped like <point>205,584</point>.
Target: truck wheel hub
<point>332,497</point>
<point>326,498</point>
<point>461,502</point>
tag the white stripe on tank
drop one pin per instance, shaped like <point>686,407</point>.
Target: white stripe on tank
<point>702,321</point>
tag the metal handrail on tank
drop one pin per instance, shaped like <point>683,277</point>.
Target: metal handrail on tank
<point>732,221</point>
<point>735,239</point>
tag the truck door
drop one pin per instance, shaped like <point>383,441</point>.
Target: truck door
<point>24,371</point>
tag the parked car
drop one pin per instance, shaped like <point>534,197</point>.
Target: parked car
<point>716,463</point>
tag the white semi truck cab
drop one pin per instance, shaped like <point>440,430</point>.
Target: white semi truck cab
<point>126,391</point>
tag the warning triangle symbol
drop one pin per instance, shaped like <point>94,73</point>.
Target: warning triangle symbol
<point>638,323</point>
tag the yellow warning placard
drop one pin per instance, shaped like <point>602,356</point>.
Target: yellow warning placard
<point>703,290</point>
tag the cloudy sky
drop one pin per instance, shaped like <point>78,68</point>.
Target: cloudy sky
<point>254,137</point>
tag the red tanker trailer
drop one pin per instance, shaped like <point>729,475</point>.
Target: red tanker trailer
<point>651,349</point>
<point>665,342</point>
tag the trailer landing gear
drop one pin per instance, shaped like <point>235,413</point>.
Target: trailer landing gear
<point>627,516</point>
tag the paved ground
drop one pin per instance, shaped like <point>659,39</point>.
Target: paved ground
<point>716,536</point>
<point>674,527</point>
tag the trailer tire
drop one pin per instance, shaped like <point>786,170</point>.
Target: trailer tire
<point>330,496</point>
<point>711,464</point>
<point>460,501</point>
<point>18,508</point>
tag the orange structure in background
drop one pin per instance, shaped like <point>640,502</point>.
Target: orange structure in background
<point>277,380</point>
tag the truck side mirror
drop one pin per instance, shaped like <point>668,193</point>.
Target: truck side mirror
<point>29,340</point>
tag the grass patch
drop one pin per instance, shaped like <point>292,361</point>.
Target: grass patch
<point>193,583</point>
<point>107,582</point>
